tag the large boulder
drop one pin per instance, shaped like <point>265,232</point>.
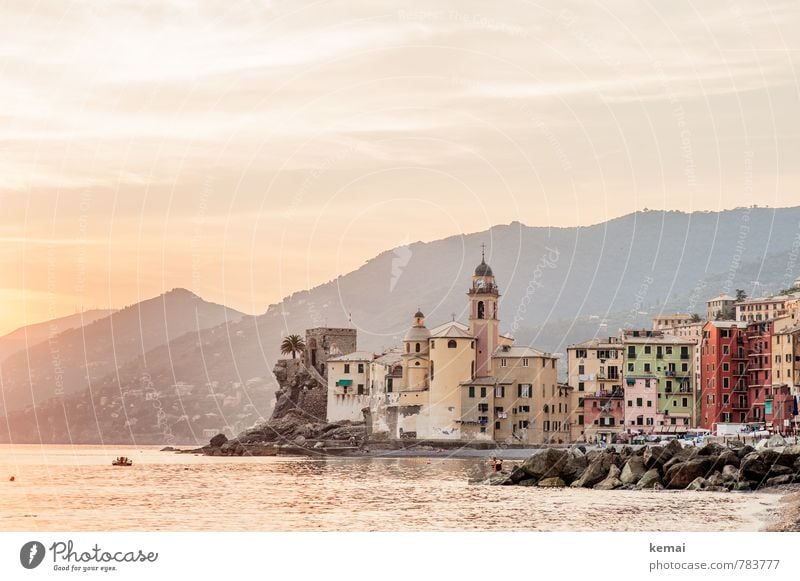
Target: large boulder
<point>744,451</point>
<point>218,440</point>
<point>596,471</point>
<point>657,456</point>
<point>784,456</point>
<point>611,481</point>
<point>728,458</point>
<point>756,468</point>
<point>555,482</point>
<point>649,479</point>
<point>575,466</point>
<point>547,463</point>
<point>776,441</point>
<point>710,449</point>
<point>697,484</point>
<point>633,470</point>
<point>778,480</point>
<point>681,475</point>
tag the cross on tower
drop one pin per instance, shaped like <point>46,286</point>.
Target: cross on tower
<point>483,252</point>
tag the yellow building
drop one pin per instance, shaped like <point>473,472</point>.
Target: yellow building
<point>464,382</point>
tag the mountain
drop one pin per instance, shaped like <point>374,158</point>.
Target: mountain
<point>75,359</point>
<point>30,335</point>
<point>624,270</point>
<point>559,285</point>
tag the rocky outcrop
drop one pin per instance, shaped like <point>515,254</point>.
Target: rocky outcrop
<point>708,468</point>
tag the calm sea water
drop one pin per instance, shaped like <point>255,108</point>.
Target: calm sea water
<point>73,488</point>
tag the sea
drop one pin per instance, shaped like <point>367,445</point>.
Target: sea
<point>75,488</point>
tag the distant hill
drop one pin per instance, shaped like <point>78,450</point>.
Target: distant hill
<point>75,359</point>
<point>624,270</point>
<point>30,335</point>
<point>559,286</point>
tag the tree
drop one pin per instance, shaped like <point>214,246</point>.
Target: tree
<point>740,295</point>
<point>292,344</point>
<point>695,318</point>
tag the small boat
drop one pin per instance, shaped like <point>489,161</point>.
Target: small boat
<point>122,462</point>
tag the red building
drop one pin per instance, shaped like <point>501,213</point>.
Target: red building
<point>723,374</point>
<point>759,368</point>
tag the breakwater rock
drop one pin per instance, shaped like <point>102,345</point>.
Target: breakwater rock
<point>712,468</point>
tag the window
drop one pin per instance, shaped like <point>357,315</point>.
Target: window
<point>361,368</point>
<point>638,402</point>
<point>483,407</point>
<point>480,309</point>
<point>630,403</point>
<point>726,349</point>
<point>685,402</point>
<point>726,367</point>
<point>524,409</point>
<point>525,362</point>
<point>524,390</point>
<point>433,344</point>
<point>668,350</point>
<point>417,348</point>
<point>471,391</point>
<point>725,382</point>
<point>483,392</point>
<point>360,389</point>
<point>347,368</point>
<point>389,385</point>
<point>630,367</point>
<point>649,403</point>
<point>648,349</point>
<point>581,386</point>
<point>431,370</point>
<point>497,425</point>
<point>524,424</point>
<point>581,370</point>
<point>503,362</point>
<point>500,391</point>
<point>451,344</point>
<point>647,368</point>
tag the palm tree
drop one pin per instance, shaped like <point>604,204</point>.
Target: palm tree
<point>292,344</point>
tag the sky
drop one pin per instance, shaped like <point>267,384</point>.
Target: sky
<point>247,150</point>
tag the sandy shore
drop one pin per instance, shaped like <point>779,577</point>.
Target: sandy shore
<point>787,518</point>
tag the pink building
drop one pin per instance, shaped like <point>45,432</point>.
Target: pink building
<point>641,405</point>
<point>603,415</point>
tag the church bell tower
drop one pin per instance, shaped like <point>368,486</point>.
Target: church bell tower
<point>483,316</point>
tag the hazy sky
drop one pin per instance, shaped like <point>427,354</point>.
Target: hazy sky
<point>246,150</point>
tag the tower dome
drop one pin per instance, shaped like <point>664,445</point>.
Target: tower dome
<point>483,269</point>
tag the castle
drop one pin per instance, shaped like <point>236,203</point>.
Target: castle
<point>454,381</point>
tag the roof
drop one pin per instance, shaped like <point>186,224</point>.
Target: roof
<point>461,326</point>
<point>597,342</point>
<point>390,357</point>
<point>416,333</point>
<point>419,315</point>
<point>728,324</point>
<point>452,330</point>
<point>355,356</point>
<point>489,380</point>
<point>722,297</point>
<point>671,339</point>
<point>511,352</point>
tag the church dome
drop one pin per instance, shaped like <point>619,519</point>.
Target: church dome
<point>417,334</point>
<point>419,315</point>
<point>483,269</point>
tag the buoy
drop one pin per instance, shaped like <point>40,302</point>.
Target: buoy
<point>12,479</point>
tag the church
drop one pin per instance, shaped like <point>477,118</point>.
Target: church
<point>454,381</point>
